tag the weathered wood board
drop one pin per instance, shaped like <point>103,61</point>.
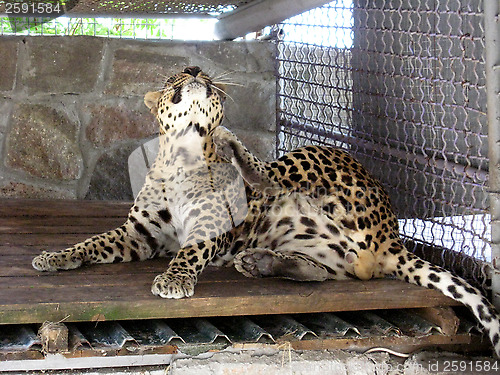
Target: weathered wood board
<point>122,291</point>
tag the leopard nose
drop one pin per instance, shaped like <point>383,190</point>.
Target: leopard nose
<point>192,70</point>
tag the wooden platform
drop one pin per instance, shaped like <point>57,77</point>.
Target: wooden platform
<point>122,291</point>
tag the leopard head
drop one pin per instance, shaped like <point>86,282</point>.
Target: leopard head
<point>188,99</point>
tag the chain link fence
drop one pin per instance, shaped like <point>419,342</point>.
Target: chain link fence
<point>402,87</point>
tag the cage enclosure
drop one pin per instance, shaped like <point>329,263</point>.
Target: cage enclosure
<point>410,90</point>
<point>403,87</point>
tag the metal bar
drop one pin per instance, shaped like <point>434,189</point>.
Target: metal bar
<point>260,13</point>
<point>470,172</point>
<point>492,44</point>
<point>122,15</point>
<point>133,9</point>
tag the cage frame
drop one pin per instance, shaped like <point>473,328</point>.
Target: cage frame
<point>492,51</point>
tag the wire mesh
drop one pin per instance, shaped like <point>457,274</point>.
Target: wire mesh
<point>402,87</point>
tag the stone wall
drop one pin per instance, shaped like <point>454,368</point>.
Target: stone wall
<point>72,111</point>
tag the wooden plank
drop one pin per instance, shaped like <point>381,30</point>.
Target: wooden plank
<point>443,316</point>
<point>123,291</point>
<point>20,266</point>
<point>217,294</point>
<point>44,239</point>
<point>20,222</point>
<point>16,250</point>
<point>401,344</point>
<point>63,208</point>
<point>60,229</point>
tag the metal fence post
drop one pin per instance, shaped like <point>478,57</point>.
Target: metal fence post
<point>492,48</point>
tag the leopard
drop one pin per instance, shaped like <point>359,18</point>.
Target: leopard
<point>313,214</point>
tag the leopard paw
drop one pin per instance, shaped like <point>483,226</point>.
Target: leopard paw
<point>222,142</point>
<point>255,262</point>
<point>53,261</point>
<point>258,262</point>
<point>168,285</point>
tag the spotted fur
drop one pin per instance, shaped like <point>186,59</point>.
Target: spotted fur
<point>313,214</point>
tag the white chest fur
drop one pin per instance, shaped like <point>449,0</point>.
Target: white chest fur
<point>197,190</point>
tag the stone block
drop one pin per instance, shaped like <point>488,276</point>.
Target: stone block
<point>260,143</point>
<point>247,57</point>
<point>62,64</point>
<point>287,362</point>
<point>22,190</point>
<point>43,142</point>
<point>252,106</point>
<point>110,179</point>
<point>113,123</point>
<point>139,69</point>
<point>9,50</point>
<point>142,67</point>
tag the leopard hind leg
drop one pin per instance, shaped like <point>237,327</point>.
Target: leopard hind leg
<point>259,262</point>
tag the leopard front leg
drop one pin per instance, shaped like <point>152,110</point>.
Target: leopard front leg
<point>253,170</point>
<point>182,274</point>
<point>146,233</point>
<point>108,247</point>
<point>130,242</point>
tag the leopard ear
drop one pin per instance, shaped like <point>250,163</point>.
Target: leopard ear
<point>151,100</point>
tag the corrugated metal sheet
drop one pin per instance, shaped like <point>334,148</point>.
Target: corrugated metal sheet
<point>18,338</point>
<point>193,336</point>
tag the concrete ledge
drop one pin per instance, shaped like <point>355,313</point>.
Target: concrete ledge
<point>260,362</point>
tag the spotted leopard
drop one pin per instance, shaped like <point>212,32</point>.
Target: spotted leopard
<point>311,215</point>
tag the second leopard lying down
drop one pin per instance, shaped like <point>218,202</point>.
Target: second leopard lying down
<point>313,214</point>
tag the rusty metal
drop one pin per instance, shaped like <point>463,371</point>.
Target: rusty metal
<point>370,324</point>
<point>106,334</point>
<point>410,323</point>
<point>328,325</point>
<point>154,342</point>
<point>242,329</point>
<point>152,333</point>
<point>284,327</point>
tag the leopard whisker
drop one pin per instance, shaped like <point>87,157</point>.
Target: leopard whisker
<point>228,83</point>
<point>222,92</point>
<point>223,74</point>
